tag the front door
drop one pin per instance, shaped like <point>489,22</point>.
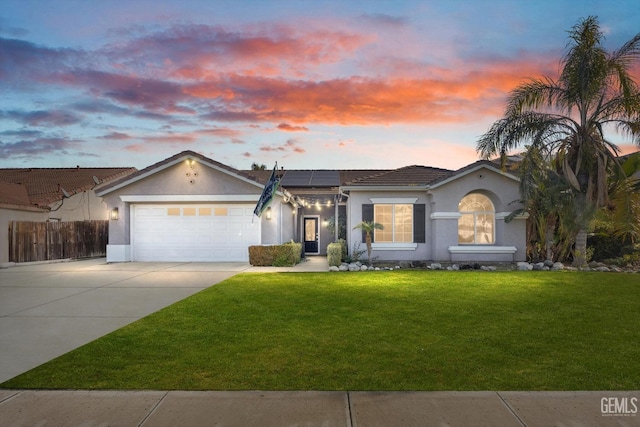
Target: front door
<point>311,235</point>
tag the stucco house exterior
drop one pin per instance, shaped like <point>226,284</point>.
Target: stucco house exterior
<point>52,194</point>
<point>192,208</point>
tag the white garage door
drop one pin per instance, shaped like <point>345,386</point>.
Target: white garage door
<point>193,232</point>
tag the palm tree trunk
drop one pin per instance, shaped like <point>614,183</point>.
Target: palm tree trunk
<point>580,251</point>
<point>549,237</point>
<point>368,241</point>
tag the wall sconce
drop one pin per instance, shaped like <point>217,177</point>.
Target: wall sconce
<point>269,213</point>
<point>114,214</point>
<point>191,163</point>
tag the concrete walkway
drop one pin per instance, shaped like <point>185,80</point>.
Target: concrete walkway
<point>49,309</point>
<point>312,408</point>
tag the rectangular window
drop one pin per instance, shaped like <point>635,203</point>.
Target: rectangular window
<point>173,211</point>
<point>204,211</point>
<point>189,211</point>
<point>221,212</point>
<point>397,220</point>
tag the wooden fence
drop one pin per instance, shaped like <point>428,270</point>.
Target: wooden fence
<point>42,241</point>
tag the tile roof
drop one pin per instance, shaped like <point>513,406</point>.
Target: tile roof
<point>44,186</point>
<point>407,176</point>
<point>14,194</point>
<point>308,178</point>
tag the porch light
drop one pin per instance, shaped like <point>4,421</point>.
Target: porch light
<point>114,214</point>
<point>269,212</point>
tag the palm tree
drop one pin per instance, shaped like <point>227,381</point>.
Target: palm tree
<point>567,118</point>
<point>544,197</point>
<point>368,227</point>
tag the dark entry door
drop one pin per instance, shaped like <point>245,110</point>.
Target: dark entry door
<point>311,235</point>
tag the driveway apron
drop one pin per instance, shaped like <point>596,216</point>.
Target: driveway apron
<point>47,310</point>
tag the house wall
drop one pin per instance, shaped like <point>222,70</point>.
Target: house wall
<point>422,251</point>
<point>441,216</point>
<point>183,184</point>
<point>502,191</point>
<point>323,213</point>
<point>83,206</point>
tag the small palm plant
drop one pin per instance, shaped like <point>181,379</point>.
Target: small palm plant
<point>368,227</point>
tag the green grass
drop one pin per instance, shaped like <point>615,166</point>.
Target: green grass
<point>407,330</point>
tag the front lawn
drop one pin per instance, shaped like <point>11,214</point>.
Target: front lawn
<point>405,330</point>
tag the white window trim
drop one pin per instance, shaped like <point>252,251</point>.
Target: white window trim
<point>482,249</point>
<point>394,200</point>
<point>394,246</point>
<point>445,215</point>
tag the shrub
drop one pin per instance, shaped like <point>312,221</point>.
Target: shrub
<point>345,249</point>
<point>275,255</point>
<point>356,253</point>
<point>334,254</point>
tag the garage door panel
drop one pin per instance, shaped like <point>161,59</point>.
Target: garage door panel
<point>195,232</point>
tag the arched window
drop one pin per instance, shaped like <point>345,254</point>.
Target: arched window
<point>476,225</point>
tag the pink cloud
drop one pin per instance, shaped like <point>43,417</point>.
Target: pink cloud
<point>290,145</point>
<point>288,128</point>
<point>116,136</point>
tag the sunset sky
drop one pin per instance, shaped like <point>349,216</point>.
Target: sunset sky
<point>309,84</point>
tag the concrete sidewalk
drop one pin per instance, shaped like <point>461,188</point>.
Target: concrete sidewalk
<point>312,408</point>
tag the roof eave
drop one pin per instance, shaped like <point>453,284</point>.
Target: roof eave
<point>405,187</point>
<point>471,170</point>
<point>167,165</point>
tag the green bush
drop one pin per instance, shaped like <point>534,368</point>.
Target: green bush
<point>345,249</point>
<point>275,255</point>
<point>334,254</point>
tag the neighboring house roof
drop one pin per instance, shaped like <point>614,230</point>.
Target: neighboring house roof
<point>43,186</point>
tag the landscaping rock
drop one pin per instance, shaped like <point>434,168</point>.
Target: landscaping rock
<point>539,266</point>
<point>488,268</point>
<point>334,268</point>
<point>557,266</point>
<point>524,266</point>
<point>455,267</point>
<point>548,263</point>
<point>364,268</point>
<point>343,267</point>
<point>435,266</point>
<point>354,267</point>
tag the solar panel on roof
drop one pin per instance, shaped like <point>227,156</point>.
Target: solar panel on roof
<point>311,178</point>
<point>296,178</point>
<point>325,178</point>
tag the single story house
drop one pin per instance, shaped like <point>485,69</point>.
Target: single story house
<point>192,208</point>
<point>51,194</point>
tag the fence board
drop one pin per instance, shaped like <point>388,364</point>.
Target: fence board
<point>43,241</point>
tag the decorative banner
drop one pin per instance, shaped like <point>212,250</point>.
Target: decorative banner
<point>267,193</point>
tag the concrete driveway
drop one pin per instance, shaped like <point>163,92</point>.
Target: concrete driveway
<point>47,310</point>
